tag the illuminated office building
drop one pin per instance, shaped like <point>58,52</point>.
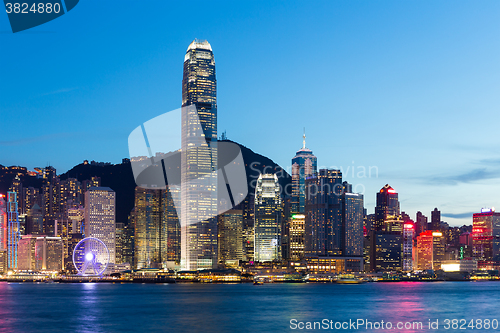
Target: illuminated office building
<point>120,239</point>
<point>268,211</point>
<point>408,235</point>
<point>231,237</point>
<point>3,223</point>
<point>430,250</point>
<point>304,165</point>
<point>13,234</point>
<point>297,236</point>
<point>170,227</point>
<point>156,228</point>
<point>199,159</point>
<point>100,205</point>
<point>386,251</point>
<point>26,253</point>
<point>147,228</point>
<point>387,208</point>
<point>50,202</point>
<point>323,224</point>
<point>49,253</point>
<point>76,215</point>
<point>485,235</point>
<point>435,220</point>
<point>73,240</point>
<point>31,196</point>
<point>353,215</point>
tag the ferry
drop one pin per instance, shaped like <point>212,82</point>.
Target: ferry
<point>348,279</point>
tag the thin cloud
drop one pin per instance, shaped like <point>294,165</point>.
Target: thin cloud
<point>458,216</point>
<point>494,161</point>
<point>467,177</point>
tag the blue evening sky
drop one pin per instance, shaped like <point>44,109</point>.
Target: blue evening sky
<point>411,88</point>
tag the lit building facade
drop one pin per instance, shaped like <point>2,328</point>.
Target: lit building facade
<point>387,208</point>
<point>100,212</point>
<point>408,235</point>
<point>353,215</point>
<point>3,223</point>
<point>147,228</point>
<point>230,236</point>
<point>323,225</point>
<point>170,226</point>
<point>13,234</point>
<point>485,235</point>
<point>297,236</point>
<point>49,253</point>
<point>430,250</point>
<point>386,251</point>
<point>268,211</point>
<point>199,159</point>
<point>26,253</point>
<point>156,229</point>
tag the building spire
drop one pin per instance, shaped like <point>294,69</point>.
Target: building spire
<point>304,141</point>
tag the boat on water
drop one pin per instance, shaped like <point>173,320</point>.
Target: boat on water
<point>348,279</point>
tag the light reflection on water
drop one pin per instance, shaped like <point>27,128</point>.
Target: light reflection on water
<point>98,307</point>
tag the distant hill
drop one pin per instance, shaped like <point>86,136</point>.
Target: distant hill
<point>119,177</point>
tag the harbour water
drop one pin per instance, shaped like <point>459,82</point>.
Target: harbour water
<point>105,307</point>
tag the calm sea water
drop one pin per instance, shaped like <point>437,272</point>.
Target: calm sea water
<point>28,307</point>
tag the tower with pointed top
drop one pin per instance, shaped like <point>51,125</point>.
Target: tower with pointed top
<point>304,165</point>
<point>198,191</point>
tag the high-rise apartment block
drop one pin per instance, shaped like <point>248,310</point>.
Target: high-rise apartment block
<point>100,206</point>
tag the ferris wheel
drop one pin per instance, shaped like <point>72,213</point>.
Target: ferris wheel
<point>90,256</point>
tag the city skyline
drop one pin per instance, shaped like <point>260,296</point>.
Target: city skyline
<point>380,78</point>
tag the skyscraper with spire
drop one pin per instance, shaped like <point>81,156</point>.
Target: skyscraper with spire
<point>304,165</point>
<point>199,158</point>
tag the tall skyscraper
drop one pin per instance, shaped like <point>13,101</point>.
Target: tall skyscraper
<point>304,165</point>
<point>353,215</point>
<point>100,206</point>
<point>13,234</point>
<point>435,219</point>
<point>408,235</point>
<point>50,202</point>
<point>485,235</point>
<point>147,228</point>
<point>3,223</point>
<point>421,223</point>
<point>170,227</point>
<point>268,211</point>
<point>323,225</point>
<point>387,208</point>
<point>199,159</point>
<point>156,225</point>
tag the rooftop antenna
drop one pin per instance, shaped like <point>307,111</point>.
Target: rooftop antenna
<point>304,141</point>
